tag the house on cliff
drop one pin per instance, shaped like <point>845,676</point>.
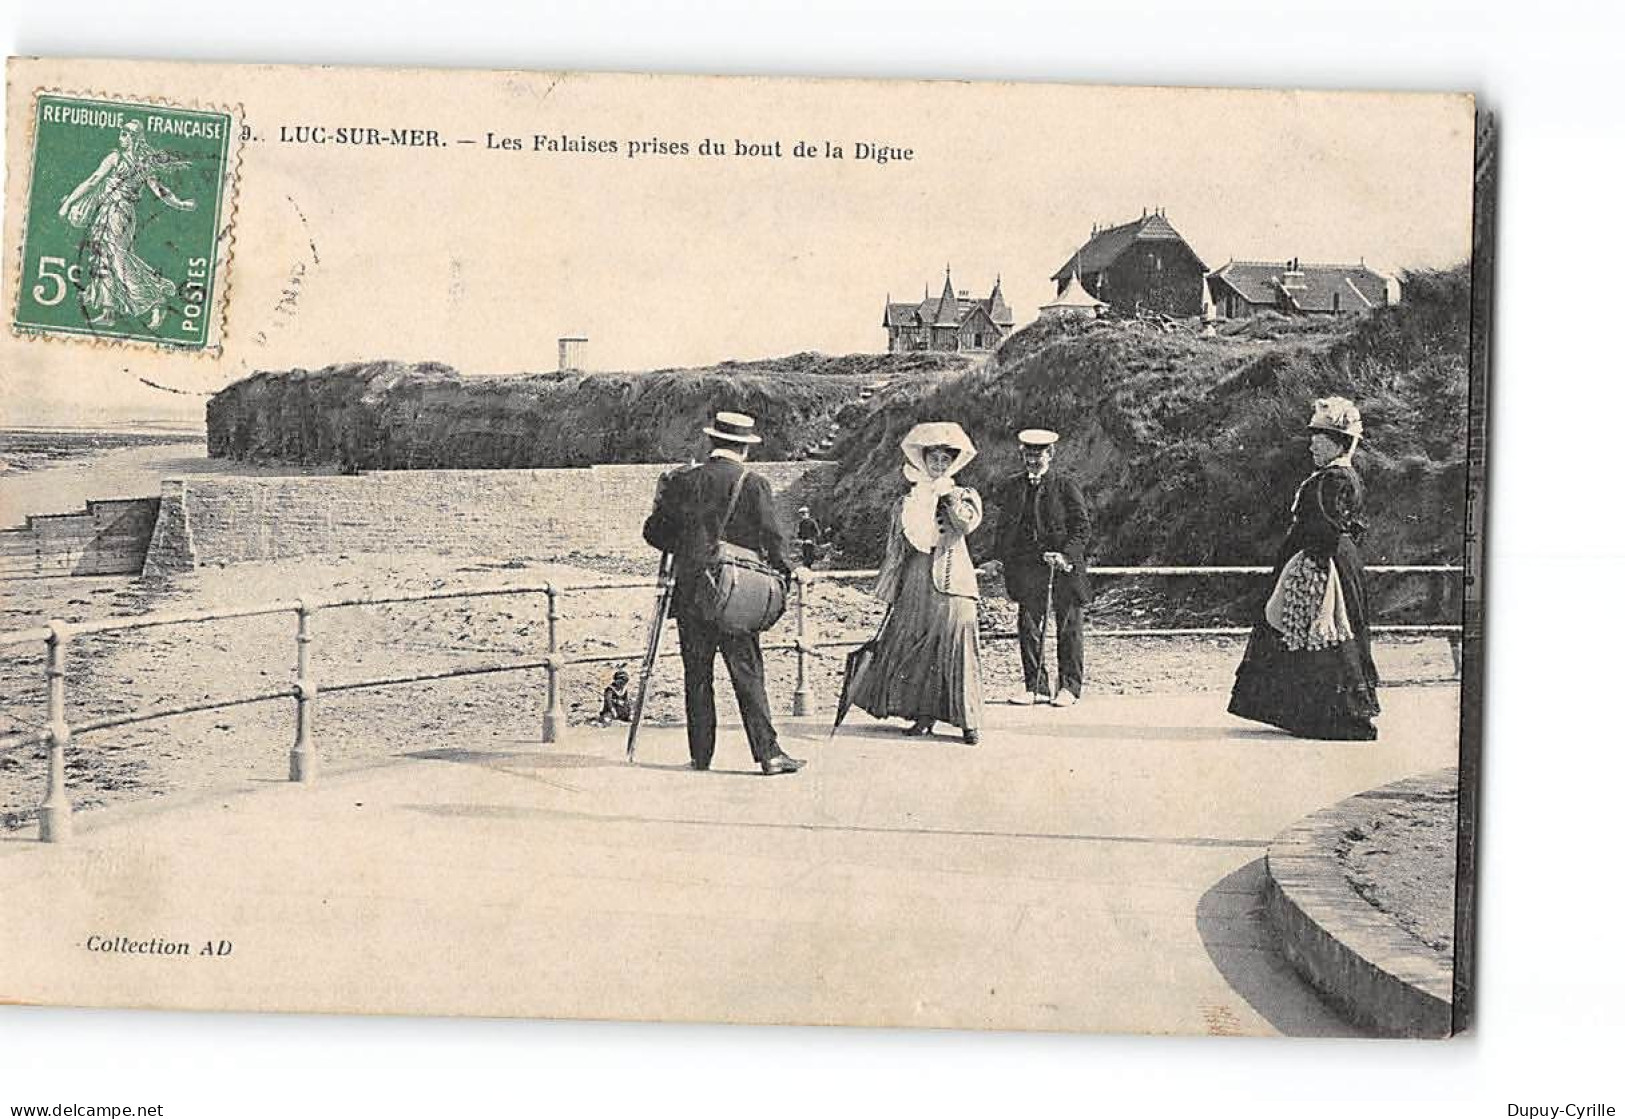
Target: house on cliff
<point>953,321</point>
<point>1142,265</point>
<point>1243,288</point>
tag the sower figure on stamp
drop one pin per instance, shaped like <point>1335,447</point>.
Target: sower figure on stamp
<point>1042,544</point>
<point>688,520</point>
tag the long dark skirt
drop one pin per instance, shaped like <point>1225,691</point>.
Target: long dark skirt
<point>1328,693</point>
<point>928,663</point>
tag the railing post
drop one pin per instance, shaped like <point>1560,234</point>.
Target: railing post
<point>302,761</point>
<point>553,719</point>
<point>804,694</point>
<point>56,811</point>
<point>1457,581</point>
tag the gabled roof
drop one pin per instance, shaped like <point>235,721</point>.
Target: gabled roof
<point>1108,244</point>
<point>1271,283</point>
<point>947,305</point>
<point>949,309</point>
<point>901,314</point>
<point>998,310</point>
<point>977,310</point>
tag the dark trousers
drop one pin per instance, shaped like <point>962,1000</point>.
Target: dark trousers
<point>1068,638</point>
<point>742,653</point>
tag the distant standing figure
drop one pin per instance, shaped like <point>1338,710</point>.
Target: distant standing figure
<point>927,664</point>
<point>690,508</point>
<point>808,532</point>
<point>1043,546</point>
<point>121,283</point>
<point>1308,666</point>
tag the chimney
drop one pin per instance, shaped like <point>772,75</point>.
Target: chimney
<point>1292,280</point>
<point>572,354</point>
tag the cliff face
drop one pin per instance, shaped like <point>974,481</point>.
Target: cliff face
<point>1191,448</point>
<point>390,415</point>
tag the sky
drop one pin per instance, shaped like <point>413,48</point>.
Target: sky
<point>481,257</point>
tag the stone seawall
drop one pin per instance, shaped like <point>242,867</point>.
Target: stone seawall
<point>532,514</point>
<point>107,538</point>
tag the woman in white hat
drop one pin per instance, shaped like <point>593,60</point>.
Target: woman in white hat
<point>1308,666</point>
<point>928,666</point>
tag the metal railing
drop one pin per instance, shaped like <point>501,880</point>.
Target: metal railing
<point>56,811</point>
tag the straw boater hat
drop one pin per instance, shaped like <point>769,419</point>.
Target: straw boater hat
<point>1339,416</point>
<point>949,435</point>
<point>1037,437</point>
<point>735,427</point>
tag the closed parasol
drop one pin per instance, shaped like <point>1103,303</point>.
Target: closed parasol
<point>857,663</point>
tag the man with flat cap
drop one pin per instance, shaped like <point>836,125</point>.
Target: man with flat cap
<point>691,506</point>
<point>1043,546</point>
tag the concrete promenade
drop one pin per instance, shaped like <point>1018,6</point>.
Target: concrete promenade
<point>1095,869</point>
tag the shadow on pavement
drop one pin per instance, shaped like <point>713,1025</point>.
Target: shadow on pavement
<point>1236,933</point>
<point>516,759</point>
<point>544,812</point>
<point>1144,732</point>
<point>1116,731</point>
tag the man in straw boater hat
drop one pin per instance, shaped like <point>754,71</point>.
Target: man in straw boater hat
<point>1042,544</point>
<point>690,507</point>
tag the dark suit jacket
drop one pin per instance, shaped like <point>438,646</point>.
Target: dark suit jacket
<point>688,514</point>
<point>1062,525</point>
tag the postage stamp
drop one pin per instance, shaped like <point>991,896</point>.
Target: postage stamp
<point>125,211</point>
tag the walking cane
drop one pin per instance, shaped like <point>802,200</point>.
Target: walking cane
<point>1043,631</point>
<point>657,629</point>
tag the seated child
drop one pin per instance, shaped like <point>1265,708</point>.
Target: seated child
<point>617,703</point>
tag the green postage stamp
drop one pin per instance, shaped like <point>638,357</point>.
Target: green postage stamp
<point>126,212</point>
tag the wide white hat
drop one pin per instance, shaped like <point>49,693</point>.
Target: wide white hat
<point>1037,437</point>
<point>736,427</point>
<point>950,435</point>
<point>1337,414</point>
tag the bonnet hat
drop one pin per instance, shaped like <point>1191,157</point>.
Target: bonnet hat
<point>919,510</point>
<point>949,435</point>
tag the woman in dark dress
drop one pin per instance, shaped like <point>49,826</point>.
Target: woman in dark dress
<point>1308,667</point>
